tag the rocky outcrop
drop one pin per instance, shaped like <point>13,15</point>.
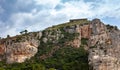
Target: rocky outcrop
<point>104,53</point>
<point>19,48</point>
<point>100,40</point>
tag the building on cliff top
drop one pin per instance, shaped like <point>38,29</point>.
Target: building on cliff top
<point>75,20</point>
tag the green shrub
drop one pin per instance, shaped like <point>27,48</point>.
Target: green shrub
<point>84,41</point>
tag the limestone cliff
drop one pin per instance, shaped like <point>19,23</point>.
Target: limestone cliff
<point>101,41</point>
<point>20,47</point>
<point>105,53</point>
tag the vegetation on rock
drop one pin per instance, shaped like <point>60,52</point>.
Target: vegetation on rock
<point>56,46</point>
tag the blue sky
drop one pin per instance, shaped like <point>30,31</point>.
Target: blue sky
<point>35,15</point>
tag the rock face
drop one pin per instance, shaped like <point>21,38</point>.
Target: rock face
<point>104,55</point>
<point>100,40</point>
<point>19,48</point>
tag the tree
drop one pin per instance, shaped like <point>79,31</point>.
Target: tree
<point>21,32</point>
<point>2,68</point>
<point>38,66</point>
<point>25,31</point>
<point>8,36</point>
<point>116,28</point>
<point>51,69</point>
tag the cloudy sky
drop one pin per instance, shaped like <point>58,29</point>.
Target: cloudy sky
<point>35,15</point>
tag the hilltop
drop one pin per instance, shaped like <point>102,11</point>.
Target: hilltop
<point>79,44</point>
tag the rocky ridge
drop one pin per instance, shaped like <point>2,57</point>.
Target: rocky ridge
<point>100,40</point>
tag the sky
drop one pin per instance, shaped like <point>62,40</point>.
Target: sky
<point>36,15</point>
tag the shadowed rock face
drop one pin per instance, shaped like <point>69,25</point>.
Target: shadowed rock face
<point>103,44</point>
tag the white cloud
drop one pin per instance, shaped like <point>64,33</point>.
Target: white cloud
<point>23,3</point>
<point>47,3</point>
<point>39,19</point>
<point>32,21</point>
<point>76,9</point>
